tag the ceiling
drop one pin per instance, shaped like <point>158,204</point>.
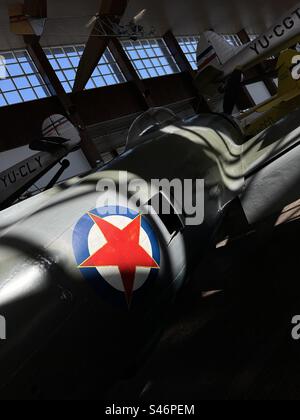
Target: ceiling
<point>227,17</point>
<point>67,18</point>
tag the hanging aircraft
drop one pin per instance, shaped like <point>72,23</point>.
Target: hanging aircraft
<point>86,286</point>
<point>58,139</point>
<point>220,63</point>
<point>31,18</point>
<point>286,101</point>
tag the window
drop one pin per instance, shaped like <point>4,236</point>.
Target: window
<point>65,61</point>
<point>233,40</point>
<point>107,72</point>
<point>253,37</point>
<point>151,58</point>
<point>22,82</point>
<point>189,46</point>
<point>258,92</point>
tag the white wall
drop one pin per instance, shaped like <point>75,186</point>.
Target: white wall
<point>259,92</point>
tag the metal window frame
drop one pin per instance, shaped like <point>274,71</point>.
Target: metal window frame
<point>191,43</point>
<point>22,57</point>
<point>233,39</point>
<point>59,53</point>
<point>149,63</point>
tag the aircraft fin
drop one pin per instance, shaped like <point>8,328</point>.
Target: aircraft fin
<point>213,50</point>
<point>206,54</point>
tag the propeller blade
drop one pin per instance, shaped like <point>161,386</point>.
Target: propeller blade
<point>91,21</point>
<point>140,16</point>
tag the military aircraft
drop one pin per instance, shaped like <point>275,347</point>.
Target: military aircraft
<point>86,287</point>
<point>286,101</point>
<point>218,61</point>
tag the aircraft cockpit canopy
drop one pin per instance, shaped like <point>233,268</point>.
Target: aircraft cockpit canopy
<point>149,122</point>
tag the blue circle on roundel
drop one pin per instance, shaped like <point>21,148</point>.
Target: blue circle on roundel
<point>92,275</point>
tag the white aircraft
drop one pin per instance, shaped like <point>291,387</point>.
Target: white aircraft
<point>217,60</point>
<point>58,139</point>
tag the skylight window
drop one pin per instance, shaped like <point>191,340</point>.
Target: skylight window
<point>151,58</point>
<point>65,61</point>
<point>189,45</point>
<point>22,81</point>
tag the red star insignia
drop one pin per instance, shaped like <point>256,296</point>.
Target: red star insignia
<point>122,250</point>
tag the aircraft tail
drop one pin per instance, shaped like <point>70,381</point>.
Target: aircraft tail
<point>286,81</point>
<point>213,51</point>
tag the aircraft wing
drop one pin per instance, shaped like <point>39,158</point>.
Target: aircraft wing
<point>271,143</point>
<point>272,103</point>
<point>271,162</point>
<point>277,101</point>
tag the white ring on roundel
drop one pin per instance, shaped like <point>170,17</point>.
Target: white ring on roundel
<point>112,275</point>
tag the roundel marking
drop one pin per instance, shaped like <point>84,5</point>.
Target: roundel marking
<point>116,250</point>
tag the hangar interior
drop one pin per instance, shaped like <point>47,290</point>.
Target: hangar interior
<point>101,64</point>
<point>108,113</point>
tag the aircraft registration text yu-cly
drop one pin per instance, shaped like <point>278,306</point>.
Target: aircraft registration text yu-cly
<point>58,138</point>
<point>20,174</point>
<point>24,170</point>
